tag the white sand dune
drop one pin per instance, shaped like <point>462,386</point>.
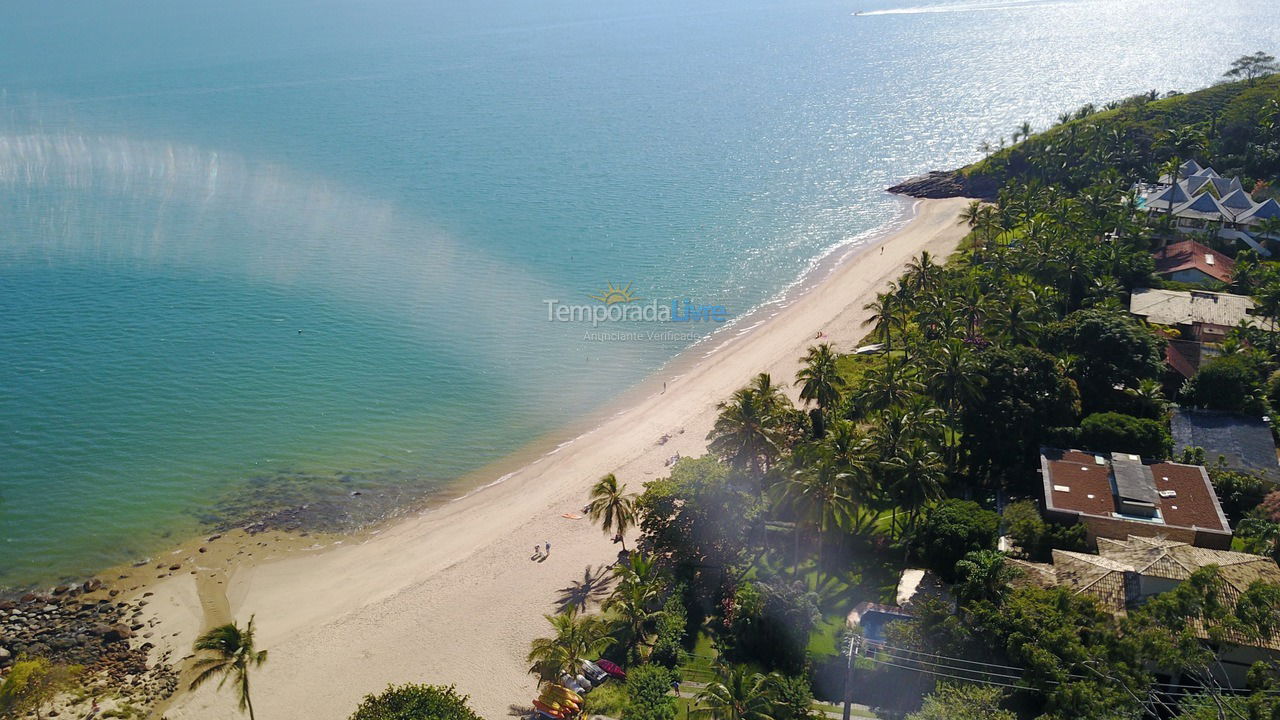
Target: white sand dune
<point>452,596</point>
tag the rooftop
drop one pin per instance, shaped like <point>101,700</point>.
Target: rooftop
<point>1177,307</point>
<point>1244,442</point>
<point>1120,486</point>
<point>1191,255</point>
<point>1106,576</point>
<point>1202,194</point>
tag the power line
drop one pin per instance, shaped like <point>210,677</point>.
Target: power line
<point>898,654</point>
<point>953,677</point>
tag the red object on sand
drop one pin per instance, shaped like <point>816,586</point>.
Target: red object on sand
<point>612,669</point>
<point>547,710</point>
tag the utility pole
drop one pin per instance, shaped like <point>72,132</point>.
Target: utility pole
<point>855,645</point>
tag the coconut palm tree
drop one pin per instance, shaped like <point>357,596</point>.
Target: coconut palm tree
<point>922,274</point>
<point>820,382</point>
<point>916,473</point>
<point>885,316</point>
<point>1017,318</point>
<point>817,494</point>
<point>636,598</point>
<point>748,432</point>
<point>984,575</point>
<point>951,376</point>
<point>887,384</point>
<point>736,694</point>
<point>575,638</point>
<point>1172,169</point>
<point>612,507</point>
<point>230,653</point>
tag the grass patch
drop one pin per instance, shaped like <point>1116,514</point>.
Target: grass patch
<point>608,699</point>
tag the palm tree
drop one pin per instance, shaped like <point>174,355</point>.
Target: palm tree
<point>232,656</point>
<point>922,274</point>
<point>984,575</point>
<point>748,432</point>
<point>736,694</point>
<point>987,228</point>
<point>576,638</point>
<point>612,507</point>
<point>636,597</point>
<point>1173,170</point>
<point>951,375</point>
<point>771,396</point>
<point>817,493</point>
<point>917,474</point>
<point>884,316</point>
<point>1017,318</point>
<point>820,383</point>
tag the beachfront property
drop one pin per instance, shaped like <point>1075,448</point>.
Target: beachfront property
<point>1115,495</point>
<point>1198,315</point>
<point>1128,571</point>
<point>1188,261</point>
<point>1201,201</point>
<point>1241,442</point>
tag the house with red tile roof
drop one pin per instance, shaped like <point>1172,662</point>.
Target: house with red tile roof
<point>1115,495</point>
<point>1191,262</point>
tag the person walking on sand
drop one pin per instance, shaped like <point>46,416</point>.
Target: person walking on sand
<point>548,548</point>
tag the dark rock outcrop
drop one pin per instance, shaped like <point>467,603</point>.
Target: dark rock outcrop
<point>81,624</point>
<point>947,184</point>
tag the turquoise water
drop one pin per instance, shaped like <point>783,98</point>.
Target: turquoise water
<point>276,251</point>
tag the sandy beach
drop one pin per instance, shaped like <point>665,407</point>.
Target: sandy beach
<point>451,596</point>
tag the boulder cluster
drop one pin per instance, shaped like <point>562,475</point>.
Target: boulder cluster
<point>86,625</point>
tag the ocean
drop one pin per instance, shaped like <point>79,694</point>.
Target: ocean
<point>270,254</point>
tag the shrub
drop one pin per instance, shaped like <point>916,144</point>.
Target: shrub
<point>647,698</point>
<point>1114,432</point>
<point>609,699</point>
<point>415,702</point>
<point>33,683</point>
<point>668,647</point>
<point>770,625</point>
<point>792,698</point>
<point>952,529</point>
<point>1230,382</point>
<point>1238,492</point>
<point>1036,538</point>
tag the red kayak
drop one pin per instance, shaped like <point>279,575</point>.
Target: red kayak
<point>612,669</point>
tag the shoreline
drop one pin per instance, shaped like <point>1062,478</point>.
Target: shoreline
<point>450,596</point>
<point>127,576</point>
<point>398,604</point>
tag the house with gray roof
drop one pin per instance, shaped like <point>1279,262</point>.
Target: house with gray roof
<point>1201,200</point>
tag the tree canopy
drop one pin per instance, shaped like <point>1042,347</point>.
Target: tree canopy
<point>415,702</point>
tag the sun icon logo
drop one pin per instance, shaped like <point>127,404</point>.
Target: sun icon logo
<point>614,295</point>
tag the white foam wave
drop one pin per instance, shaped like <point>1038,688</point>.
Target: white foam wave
<point>964,7</point>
